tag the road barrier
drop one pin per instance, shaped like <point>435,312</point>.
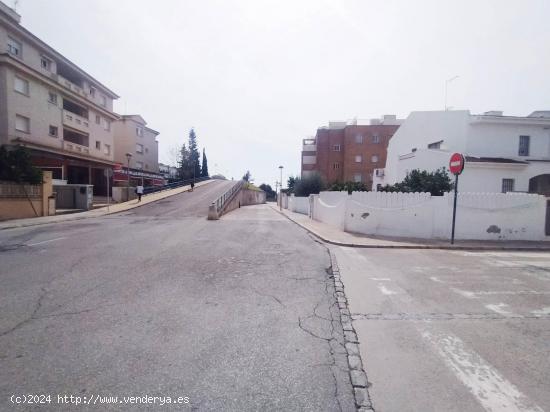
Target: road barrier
<point>217,207</point>
<point>153,189</point>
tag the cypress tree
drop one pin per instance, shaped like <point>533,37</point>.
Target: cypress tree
<point>204,171</point>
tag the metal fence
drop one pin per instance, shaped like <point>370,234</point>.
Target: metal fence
<point>221,201</point>
<point>173,185</point>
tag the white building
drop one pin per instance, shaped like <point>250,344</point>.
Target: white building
<point>503,153</point>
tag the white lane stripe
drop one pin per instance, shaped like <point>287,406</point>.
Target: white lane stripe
<point>492,390</point>
<point>499,308</point>
<point>383,279</point>
<point>472,295</point>
<point>386,291</point>
<point>46,241</point>
<point>543,311</point>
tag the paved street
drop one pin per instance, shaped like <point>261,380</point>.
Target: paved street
<point>236,314</point>
<point>449,330</point>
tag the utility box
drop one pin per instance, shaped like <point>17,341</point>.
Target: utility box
<point>74,196</point>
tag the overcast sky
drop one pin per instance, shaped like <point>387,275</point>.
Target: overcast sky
<point>254,77</point>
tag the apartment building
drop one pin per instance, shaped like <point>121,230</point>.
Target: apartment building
<point>349,151</point>
<point>54,108</point>
<point>136,151</point>
<point>168,172</point>
<point>502,153</point>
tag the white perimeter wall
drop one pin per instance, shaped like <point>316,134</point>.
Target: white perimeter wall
<point>298,204</point>
<point>491,216</point>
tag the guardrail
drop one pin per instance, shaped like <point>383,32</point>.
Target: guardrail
<point>217,206</point>
<point>173,185</point>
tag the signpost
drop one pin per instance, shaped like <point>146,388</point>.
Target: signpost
<point>456,166</point>
<point>108,173</point>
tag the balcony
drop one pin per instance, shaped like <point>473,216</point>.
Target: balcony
<point>75,121</point>
<point>71,86</point>
<point>309,148</point>
<point>75,148</point>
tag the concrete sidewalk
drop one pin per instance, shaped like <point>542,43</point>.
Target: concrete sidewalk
<point>113,208</point>
<point>335,236</point>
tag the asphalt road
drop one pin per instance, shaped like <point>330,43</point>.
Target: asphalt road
<point>450,330</point>
<point>237,314</point>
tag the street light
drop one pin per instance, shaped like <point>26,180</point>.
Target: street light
<point>128,156</point>
<point>281,189</point>
<point>446,85</point>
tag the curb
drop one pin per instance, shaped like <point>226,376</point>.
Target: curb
<point>99,214</point>
<point>357,374</point>
<point>420,247</point>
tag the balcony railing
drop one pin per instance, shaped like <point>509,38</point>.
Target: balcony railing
<point>76,148</point>
<point>309,148</point>
<point>75,121</point>
<point>71,86</point>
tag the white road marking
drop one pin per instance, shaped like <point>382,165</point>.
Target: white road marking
<point>386,291</point>
<point>491,389</point>
<point>383,279</point>
<point>543,311</point>
<point>436,279</point>
<point>499,308</point>
<point>46,241</point>
<point>472,295</point>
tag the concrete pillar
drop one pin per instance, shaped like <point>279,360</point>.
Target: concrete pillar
<point>47,191</point>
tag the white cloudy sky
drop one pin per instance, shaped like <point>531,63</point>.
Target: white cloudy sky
<point>254,77</point>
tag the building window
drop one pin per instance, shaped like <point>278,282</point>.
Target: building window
<point>22,123</point>
<point>357,177</point>
<point>139,165</point>
<point>146,150</point>
<point>53,131</point>
<point>52,98</point>
<point>14,47</point>
<point>358,158</point>
<point>359,139</point>
<point>507,185</point>
<point>97,119</point>
<point>524,146</point>
<point>374,159</point>
<point>92,91</point>
<point>376,139</point>
<point>98,145</point>
<point>336,147</point>
<point>21,86</point>
<point>336,165</point>
<point>146,166</point>
<point>103,101</point>
<point>435,145</point>
<point>139,131</point>
<point>106,124</point>
<point>107,149</point>
<point>46,63</point>
<point>139,148</point>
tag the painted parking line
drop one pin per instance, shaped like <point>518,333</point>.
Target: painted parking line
<point>491,389</point>
<point>46,241</point>
<point>473,295</point>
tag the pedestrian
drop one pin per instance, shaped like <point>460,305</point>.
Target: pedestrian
<point>139,192</point>
<point>192,185</point>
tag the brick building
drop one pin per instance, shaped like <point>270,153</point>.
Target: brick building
<point>349,151</point>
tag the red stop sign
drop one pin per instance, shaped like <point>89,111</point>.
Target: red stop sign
<point>456,164</point>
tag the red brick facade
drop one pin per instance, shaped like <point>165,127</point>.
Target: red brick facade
<point>361,150</point>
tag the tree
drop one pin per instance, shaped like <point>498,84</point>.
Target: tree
<point>204,170</point>
<point>349,187</point>
<point>194,154</point>
<point>269,192</point>
<point>16,166</point>
<point>291,182</point>
<point>185,165</point>
<point>247,176</point>
<point>306,186</point>
<point>436,183</point>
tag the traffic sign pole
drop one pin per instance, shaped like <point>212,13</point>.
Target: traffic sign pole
<point>456,166</point>
<point>454,211</point>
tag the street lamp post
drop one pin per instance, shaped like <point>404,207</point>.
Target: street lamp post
<point>446,86</point>
<point>281,189</point>
<point>128,157</point>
